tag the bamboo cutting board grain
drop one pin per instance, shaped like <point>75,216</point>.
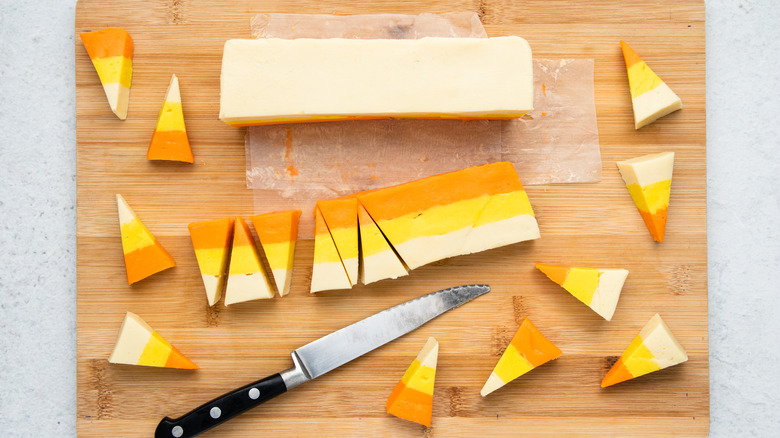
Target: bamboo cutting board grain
<point>589,225</point>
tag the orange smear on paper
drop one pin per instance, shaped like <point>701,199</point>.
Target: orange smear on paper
<point>288,144</point>
<point>544,89</point>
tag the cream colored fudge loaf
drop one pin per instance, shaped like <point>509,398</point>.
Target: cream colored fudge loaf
<point>267,81</point>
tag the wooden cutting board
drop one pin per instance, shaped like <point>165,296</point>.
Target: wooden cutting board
<point>589,225</point>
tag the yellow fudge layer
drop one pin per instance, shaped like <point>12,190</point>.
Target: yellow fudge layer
<point>506,219</point>
<point>437,233</point>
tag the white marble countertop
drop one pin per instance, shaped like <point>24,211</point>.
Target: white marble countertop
<point>38,217</point>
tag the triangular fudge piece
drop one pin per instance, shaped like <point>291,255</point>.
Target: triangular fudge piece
<point>211,240</point>
<point>111,51</point>
<point>650,96</point>
<point>412,398</point>
<point>328,272</point>
<point>144,256</point>
<point>247,279</point>
<point>139,344</point>
<point>278,232</point>
<point>654,349</point>
<point>341,217</point>
<point>649,181</point>
<point>379,261</point>
<point>169,141</point>
<point>527,350</point>
<point>599,289</point>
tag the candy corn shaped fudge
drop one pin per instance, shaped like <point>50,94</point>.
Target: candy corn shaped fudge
<point>211,240</point>
<point>169,141</point>
<point>649,181</point>
<point>527,350</point>
<point>111,52</point>
<point>412,398</point>
<point>654,349</point>
<point>599,289</point>
<point>144,256</point>
<point>341,217</point>
<point>328,272</point>
<point>650,96</point>
<point>431,219</point>
<point>278,233</point>
<point>139,344</point>
<point>378,258</point>
<point>246,277</point>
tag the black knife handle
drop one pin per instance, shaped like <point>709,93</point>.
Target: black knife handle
<point>221,408</point>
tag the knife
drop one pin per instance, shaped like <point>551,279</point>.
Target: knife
<point>317,358</point>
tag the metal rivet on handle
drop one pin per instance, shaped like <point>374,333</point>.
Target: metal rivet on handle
<point>177,431</point>
<point>215,412</point>
<point>254,393</point>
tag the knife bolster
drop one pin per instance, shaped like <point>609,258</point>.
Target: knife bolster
<point>296,375</point>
